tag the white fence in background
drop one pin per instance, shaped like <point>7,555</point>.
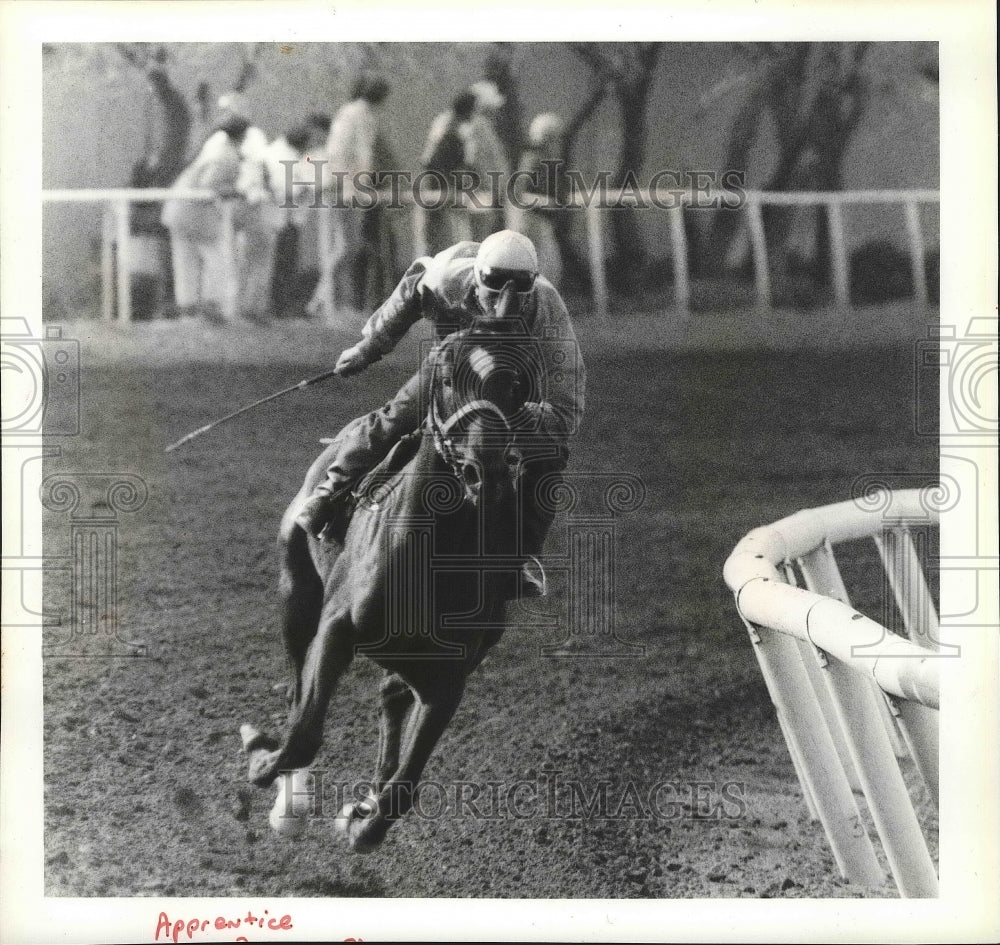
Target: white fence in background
<point>116,238</point>
<point>845,688</point>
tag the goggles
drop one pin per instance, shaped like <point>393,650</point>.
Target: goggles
<point>493,279</point>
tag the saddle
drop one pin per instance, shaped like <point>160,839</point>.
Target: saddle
<point>381,482</point>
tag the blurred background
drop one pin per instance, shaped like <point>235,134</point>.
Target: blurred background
<point>811,117</point>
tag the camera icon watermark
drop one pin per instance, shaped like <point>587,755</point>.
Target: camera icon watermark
<point>911,602</point>
<point>41,381</point>
<point>966,367</point>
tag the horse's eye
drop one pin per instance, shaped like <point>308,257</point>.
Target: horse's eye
<point>512,455</point>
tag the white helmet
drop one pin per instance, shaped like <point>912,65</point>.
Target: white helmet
<point>488,96</point>
<point>545,127</point>
<point>505,257</point>
<point>236,104</point>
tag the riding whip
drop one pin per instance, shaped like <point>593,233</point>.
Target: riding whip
<point>302,385</point>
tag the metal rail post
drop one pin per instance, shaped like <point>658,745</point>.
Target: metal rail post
<point>107,262</point>
<point>678,238</point>
<point>595,244</point>
<point>758,243</point>
<point>838,255</point>
<point>124,259</point>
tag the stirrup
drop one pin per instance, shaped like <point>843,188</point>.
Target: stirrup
<point>534,582</point>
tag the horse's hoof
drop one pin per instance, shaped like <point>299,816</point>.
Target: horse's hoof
<point>287,825</point>
<point>355,823</point>
<point>292,806</point>
<point>255,740</point>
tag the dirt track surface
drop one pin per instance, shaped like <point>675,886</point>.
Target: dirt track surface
<point>145,791</point>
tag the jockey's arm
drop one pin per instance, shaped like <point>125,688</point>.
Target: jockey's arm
<point>391,321</point>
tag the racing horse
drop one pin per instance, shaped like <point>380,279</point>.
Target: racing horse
<point>384,593</point>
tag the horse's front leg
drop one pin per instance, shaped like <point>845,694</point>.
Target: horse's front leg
<point>397,700</point>
<point>301,592</point>
<point>328,657</point>
<point>366,823</point>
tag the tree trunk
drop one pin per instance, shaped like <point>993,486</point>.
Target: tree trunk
<point>776,91</point>
<point>175,116</point>
<point>726,223</point>
<point>166,148</point>
<point>628,246</point>
<point>576,268</point>
<point>510,119</point>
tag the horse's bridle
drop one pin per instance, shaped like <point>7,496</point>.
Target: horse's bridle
<point>441,427</point>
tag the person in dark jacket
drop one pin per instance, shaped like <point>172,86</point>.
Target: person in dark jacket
<point>446,155</point>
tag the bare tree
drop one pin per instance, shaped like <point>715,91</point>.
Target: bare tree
<point>625,70</point>
<point>165,150</point>
<point>814,97</point>
<point>249,57</point>
<point>500,70</point>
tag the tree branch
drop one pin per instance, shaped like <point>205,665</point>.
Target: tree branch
<point>576,123</point>
<point>591,55</point>
<point>649,54</point>
<point>130,54</point>
<point>248,66</point>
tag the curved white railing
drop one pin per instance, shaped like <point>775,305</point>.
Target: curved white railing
<point>846,688</point>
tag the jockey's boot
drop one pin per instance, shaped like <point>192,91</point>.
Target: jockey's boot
<point>326,514</point>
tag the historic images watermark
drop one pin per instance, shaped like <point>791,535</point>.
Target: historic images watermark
<point>41,406</point>
<point>546,795</point>
<point>666,189</point>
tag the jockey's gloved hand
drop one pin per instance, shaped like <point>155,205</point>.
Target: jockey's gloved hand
<point>355,359</point>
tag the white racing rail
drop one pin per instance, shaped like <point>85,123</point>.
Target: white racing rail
<point>116,236</point>
<point>844,686</point>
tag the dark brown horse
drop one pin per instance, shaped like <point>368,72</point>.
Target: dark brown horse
<point>419,585</point>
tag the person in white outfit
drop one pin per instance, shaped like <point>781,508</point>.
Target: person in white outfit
<point>537,187</point>
<point>351,156</point>
<point>285,165</point>
<point>196,245</point>
<point>254,238</point>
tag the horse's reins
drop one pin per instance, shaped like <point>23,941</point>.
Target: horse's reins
<point>443,443</point>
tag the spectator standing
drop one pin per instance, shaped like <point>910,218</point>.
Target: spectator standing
<point>488,159</point>
<point>351,155</point>
<point>538,185</point>
<point>284,166</point>
<point>201,273</point>
<point>254,237</point>
<point>446,154</point>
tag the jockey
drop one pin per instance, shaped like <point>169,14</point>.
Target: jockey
<point>451,289</point>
